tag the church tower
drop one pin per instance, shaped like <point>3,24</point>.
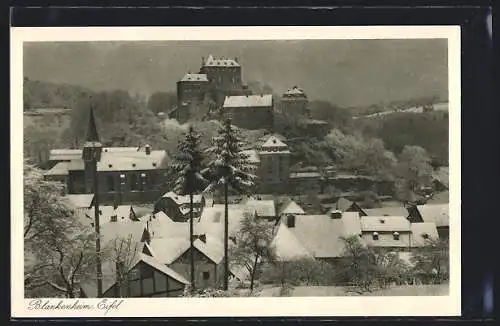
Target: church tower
<point>91,153</point>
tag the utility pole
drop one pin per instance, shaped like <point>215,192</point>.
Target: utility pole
<point>97,230</point>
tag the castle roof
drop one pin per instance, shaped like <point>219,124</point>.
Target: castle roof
<point>274,141</point>
<point>295,91</point>
<point>195,77</point>
<point>241,101</point>
<point>220,62</point>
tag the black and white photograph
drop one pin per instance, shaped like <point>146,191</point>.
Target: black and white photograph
<point>236,168</point>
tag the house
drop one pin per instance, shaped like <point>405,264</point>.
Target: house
<point>125,174</point>
<point>112,214</point>
<point>387,232</point>
<point>145,278</point>
<point>345,205</point>
<point>176,252</point>
<point>287,246</point>
<point>250,111</point>
<point>320,235</point>
<point>144,275</point>
<point>423,233</point>
<point>261,208</point>
<point>438,214</point>
<point>177,206</point>
<point>387,211</point>
<point>290,207</point>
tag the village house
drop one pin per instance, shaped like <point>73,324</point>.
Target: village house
<point>432,213</point>
<point>127,271</point>
<point>387,211</point>
<point>177,207</point>
<point>145,278</point>
<point>345,205</point>
<point>112,214</point>
<point>125,174</point>
<point>388,232</point>
<point>319,235</point>
<point>175,252</point>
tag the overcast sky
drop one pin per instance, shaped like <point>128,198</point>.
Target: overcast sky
<point>345,72</point>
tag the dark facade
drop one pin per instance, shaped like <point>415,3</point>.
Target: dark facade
<point>222,73</point>
<point>179,211</point>
<point>120,187</point>
<point>192,87</point>
<point>250,111</point>
<point>145,281</point>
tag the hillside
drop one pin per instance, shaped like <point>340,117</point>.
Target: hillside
<point>45,94</point>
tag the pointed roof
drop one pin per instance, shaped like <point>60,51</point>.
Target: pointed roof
<point>92,135</point>
<point>274,141</point>
<point>287,246</point>
<point>291,207</point>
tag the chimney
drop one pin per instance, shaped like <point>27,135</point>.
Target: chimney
<point>148,149</point>
<point>202,61</point>
<point>236,59</point>
<point>336,214</point>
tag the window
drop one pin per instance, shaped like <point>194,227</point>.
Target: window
<point>111,183</point>
<point>206,275</point>
<point>425,236</point>
<point>290,222</point>
<point>133,182</point>
<point>395,235</point>
<point>375,236</point>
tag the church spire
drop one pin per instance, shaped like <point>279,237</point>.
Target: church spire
<point>92,135</point>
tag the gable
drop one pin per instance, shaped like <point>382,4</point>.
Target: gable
<point>199,257</point>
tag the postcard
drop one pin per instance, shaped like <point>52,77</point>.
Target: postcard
<point>235,171</point>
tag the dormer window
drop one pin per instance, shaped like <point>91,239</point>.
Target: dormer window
<point>395,235</point>
<point>375,236</point>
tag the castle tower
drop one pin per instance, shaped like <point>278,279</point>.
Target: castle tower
<point>91,152</point>
<point>294,102</point>
<point>224,75</point>
<point>274,163</point>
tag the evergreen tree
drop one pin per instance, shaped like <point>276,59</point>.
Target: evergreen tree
<point>228,168</point>
<point>187,166</point>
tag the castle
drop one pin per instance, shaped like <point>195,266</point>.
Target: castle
<point>218,86</point>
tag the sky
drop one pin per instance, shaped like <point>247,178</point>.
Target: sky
<point>344,72</point>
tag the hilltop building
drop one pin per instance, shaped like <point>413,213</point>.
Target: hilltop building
<point>125,174</point>
<point>217,78</point>
<point>250,111</point>
<point>292,115</point>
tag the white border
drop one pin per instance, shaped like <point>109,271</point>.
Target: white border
<point>238,307</point>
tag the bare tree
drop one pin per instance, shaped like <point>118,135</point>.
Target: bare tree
<point>59,249</point>
<point>123,253</point>
<point>253,246</point>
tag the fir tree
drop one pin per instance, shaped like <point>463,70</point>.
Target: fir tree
<point>230,167</point>
<point>187,166</point>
